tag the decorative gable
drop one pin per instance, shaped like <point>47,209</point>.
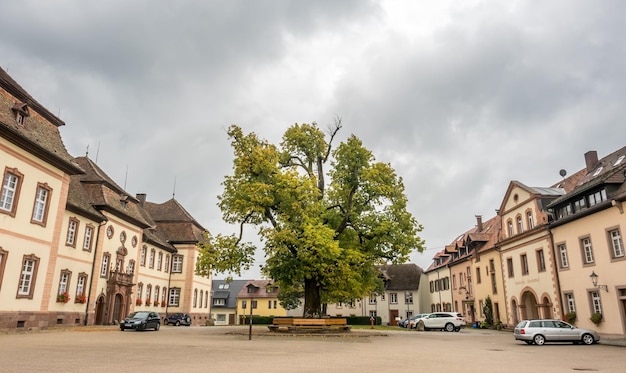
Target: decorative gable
<point>20,110</point>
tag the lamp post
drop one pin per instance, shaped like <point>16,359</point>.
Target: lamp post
<point>594,281</point>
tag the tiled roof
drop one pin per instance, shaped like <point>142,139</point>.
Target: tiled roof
<point>230,294</point>
<point>39,132</point>
<point>79,202</point>
<point>401,276</point>
<point>260,293</point>
<point>104,194</point>
<point>175,222</point>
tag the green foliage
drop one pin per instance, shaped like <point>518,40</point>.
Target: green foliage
<point>596,318</point>
<point>321,240</point>
<point>570,317</point>
<point>488,311</point>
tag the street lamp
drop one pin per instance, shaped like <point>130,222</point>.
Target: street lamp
<point>594,281</point>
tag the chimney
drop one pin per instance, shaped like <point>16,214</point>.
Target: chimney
<point>479,223</point>
<point>591,160</point>
<point>142,198</point>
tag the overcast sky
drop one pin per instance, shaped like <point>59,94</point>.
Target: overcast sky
<point>460,97</point>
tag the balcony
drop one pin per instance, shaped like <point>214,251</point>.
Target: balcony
<point>120,278</point>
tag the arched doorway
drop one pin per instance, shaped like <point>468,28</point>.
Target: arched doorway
<point>514,312</point>
<point>118,308</point>
<point>100,311</point>
<point>529,306</point>
<point>547,308</point>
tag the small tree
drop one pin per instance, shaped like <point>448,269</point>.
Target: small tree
<point>488,311</point>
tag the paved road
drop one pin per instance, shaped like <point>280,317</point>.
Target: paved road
<point>227,349</point>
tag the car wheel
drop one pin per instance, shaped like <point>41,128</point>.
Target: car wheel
<point>449,327</point>
<point>539,340</point>
<point>157,327</point>
<point>177,322</point>
<point>166,322</point>
<point>588,339</point>
<point>121,328</point>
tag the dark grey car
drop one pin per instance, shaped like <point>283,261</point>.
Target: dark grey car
<point>141,320</point>
<point>541,331</point>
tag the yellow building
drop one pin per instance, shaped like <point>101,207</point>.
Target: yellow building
<point>259,298</point>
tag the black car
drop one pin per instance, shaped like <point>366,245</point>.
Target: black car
<point>141,320</point>
<point>177,319</point>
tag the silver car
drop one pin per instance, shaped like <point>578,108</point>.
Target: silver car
<point>542,331</point>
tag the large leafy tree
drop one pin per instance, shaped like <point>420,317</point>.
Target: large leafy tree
<point>324,231</point>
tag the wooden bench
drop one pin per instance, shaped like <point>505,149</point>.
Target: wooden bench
<point>294,324</point>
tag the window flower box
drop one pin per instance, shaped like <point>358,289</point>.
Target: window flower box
<point>147,302</point>
<point>63,297</point>
<point>163,304</point>
<point>138,302</point>
<point>81,298</point>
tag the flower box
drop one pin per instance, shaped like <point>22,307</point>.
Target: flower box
<point>147,302</point>
<point>81,298</point>
<point>138,302</point>
<point>63,297</point>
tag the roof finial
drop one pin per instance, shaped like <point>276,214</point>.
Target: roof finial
<point>87,152</point>
<point>174,191</point>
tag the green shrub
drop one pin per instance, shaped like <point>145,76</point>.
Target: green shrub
<point>596,318</point>
<point>570,317</point>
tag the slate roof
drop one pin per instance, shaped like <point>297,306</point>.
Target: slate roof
<point>39,132</point>
<point>401,276</point>
<point>229,295</point>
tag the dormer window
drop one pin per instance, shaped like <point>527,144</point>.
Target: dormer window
<point>20,110</point>
<point>597,172</point>
<point>619,160</point>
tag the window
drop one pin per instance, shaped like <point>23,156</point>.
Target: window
<point>156,295</point>
<point>275,304</point>
<point>223,286</point>
<point>453,282</point>
<point>28,275</point>
<point>88,237</point>
<point>520,225</point>
<point>617,247</point>
<point>200,302</point>
<point>80,285</point>
<point>167,262</point>
<point>131,267</point>
<point>478,280</point>
<point>510,226</point>
<point>3,262</point>
<point>524,263</point>
<point>177,263</point>
<point>597,197</point>
<point>139,291</point>
<point>64,282</point>
<point>106,258</point>
<point>174,296</point>
<point>142,258</point>
<point>509,264</point>
<point>571,305</point>
<point>219,302</point>
<point>253,304</point>
<point>372,298</point>
<point>148,292</point>
<point>563,256</point>
<point>596,304</point>
<point>529,220</point>
<point>119,264</point>
<point>72,227</point>
<point>244,304</point>
<point>195,298</point>
<point>151,262</point>
<point>408,298</point>
<point>393,298</point>
<point>619,160</point>
<point>163,295</point>
<point>159,261</point>
<point>587,250</point>
<point>541,261</point>
<point>579,205</point>
<point>42,202</point>
<point>494,287</point>
<point>269,304</point>
<point>10,191</point>
<point>432,286</point>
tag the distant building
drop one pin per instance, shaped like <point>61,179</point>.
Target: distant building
<point>224,301</point>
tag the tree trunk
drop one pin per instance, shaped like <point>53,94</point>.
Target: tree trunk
<point>312,299</point>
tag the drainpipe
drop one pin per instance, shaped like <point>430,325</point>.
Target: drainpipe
<point>91,276</point>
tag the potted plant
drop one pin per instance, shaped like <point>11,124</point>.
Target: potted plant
<point>81,298</point>
<point>138,302</point>
<point>63,297</point>
<point>596,318</point>
<point>147,301</point>
<point>570,317</point>
<point>162,303</point>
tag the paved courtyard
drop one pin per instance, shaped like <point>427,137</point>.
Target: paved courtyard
<point>227,349</point>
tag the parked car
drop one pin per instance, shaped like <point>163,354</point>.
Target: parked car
<point>141,320</point>
<point>177,319</point>
<point>541,331</point>
<point>403,323</point>
<point>448,321</point>
<point>415,319</point>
